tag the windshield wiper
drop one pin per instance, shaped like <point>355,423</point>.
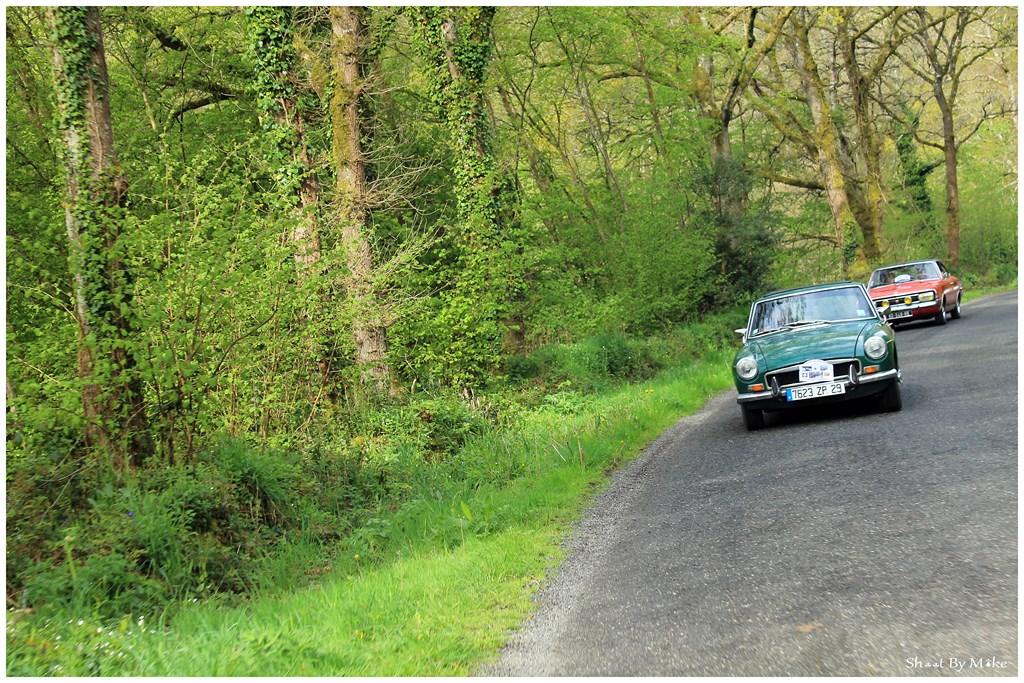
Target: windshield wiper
<point>788,326</point>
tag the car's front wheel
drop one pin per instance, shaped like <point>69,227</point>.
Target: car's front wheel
<point>890,400</point>
<point>940,317</point>
<point>753,419</point>
<point>955,313</point>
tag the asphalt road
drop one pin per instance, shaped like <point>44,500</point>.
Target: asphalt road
<point>841,542</point>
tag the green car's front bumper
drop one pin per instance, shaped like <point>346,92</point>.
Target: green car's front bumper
<point>856,385</point>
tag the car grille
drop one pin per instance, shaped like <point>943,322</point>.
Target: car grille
<point>791,375</point>
<point>900,300</point>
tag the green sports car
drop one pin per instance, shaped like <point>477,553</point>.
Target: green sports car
<point>814,345</point>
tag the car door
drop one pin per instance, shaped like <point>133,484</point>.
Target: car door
<point>950,286</point>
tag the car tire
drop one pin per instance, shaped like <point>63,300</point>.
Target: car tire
<point>890,400</point>
<point>940,317</point>
<point>753,419</point>
<point>955,313</point>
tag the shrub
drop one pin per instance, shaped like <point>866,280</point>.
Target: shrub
<point>591,364</point>
<point>168,533</point>
<point>1004,274</point>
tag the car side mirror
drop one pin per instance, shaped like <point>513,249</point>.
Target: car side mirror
<point>742,331</point>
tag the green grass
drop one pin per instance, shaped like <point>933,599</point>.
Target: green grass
<point>430,614</point>
<point>976,293</point>
<point>435,589</point>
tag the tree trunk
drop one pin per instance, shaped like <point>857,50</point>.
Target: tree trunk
<point>828,149</point>
<point>349,49</point>
<point>914,172</point>
<point>868,147</point>
<point>95,191</point>
<point>483,275</point>
<point>272,43</point>
<point>306,234</point>
<point>949,149</point>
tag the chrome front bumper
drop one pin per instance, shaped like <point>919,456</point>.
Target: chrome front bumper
<point>887,311</point>
<point>857,380</point>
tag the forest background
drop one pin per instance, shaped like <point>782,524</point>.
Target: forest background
<point>289,290</point>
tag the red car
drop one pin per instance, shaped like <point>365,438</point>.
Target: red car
<point>915,291</point>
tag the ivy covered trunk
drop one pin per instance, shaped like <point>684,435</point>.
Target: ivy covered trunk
<point>349,63</point>
<point>868,201</point>
<point>456,44</point>
<point>913,171</point>
<point>94,196</point>
<point>272,38</point>
<point>282,109</point>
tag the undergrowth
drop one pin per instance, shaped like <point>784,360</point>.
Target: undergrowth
<point>425,478</point>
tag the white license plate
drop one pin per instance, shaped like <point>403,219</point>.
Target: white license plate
<point>815,391</point>
<point>899,314</point>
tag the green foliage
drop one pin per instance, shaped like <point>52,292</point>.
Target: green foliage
<point>75,43</point>
<point>455,44</point>
<point>174,533</point>
<point>989,230</point>
<point>470,535</point>
<point>592,364</point>
<point>280,104</point>
<point>809,252</point>
<point>85,646</point>
<point>541,244</point>
<point>747,239</point>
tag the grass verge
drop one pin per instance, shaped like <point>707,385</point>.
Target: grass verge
<point>977,293</point>
<point>433,589</point>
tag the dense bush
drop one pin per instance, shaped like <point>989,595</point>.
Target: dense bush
<point>589,365</point>
<point>83,539</point>
<point>119,546</point>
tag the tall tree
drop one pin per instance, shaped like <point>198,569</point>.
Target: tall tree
<point>825,136</point>
<point>841,56</point>
<point>280,102</point>
<point>94,197</point>
<point>456,45</point>
<point>950,46</point>
<point>913,171</point>
<point>349,105</point>
<point>272,45</point>
<point>867,40</point>
<point>518,74</point>
<point>719,101</point>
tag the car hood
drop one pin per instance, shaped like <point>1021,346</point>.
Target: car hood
<point>790,347</point>
<point>903,288</point>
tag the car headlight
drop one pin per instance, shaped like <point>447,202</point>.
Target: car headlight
<point>874,347</point>
<point>746,368</point>
<point>927,296</point>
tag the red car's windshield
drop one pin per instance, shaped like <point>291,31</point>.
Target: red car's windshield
<point>907,272</point>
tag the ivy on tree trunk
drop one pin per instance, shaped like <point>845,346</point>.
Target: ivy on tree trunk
<point>94,196</point>
<point>456,44</point>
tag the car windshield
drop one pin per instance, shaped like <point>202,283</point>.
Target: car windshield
<point>810,308</point>
<point>907,272</point>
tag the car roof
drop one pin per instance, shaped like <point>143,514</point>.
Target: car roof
<point>908,263</point>
<point>808,288</point>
